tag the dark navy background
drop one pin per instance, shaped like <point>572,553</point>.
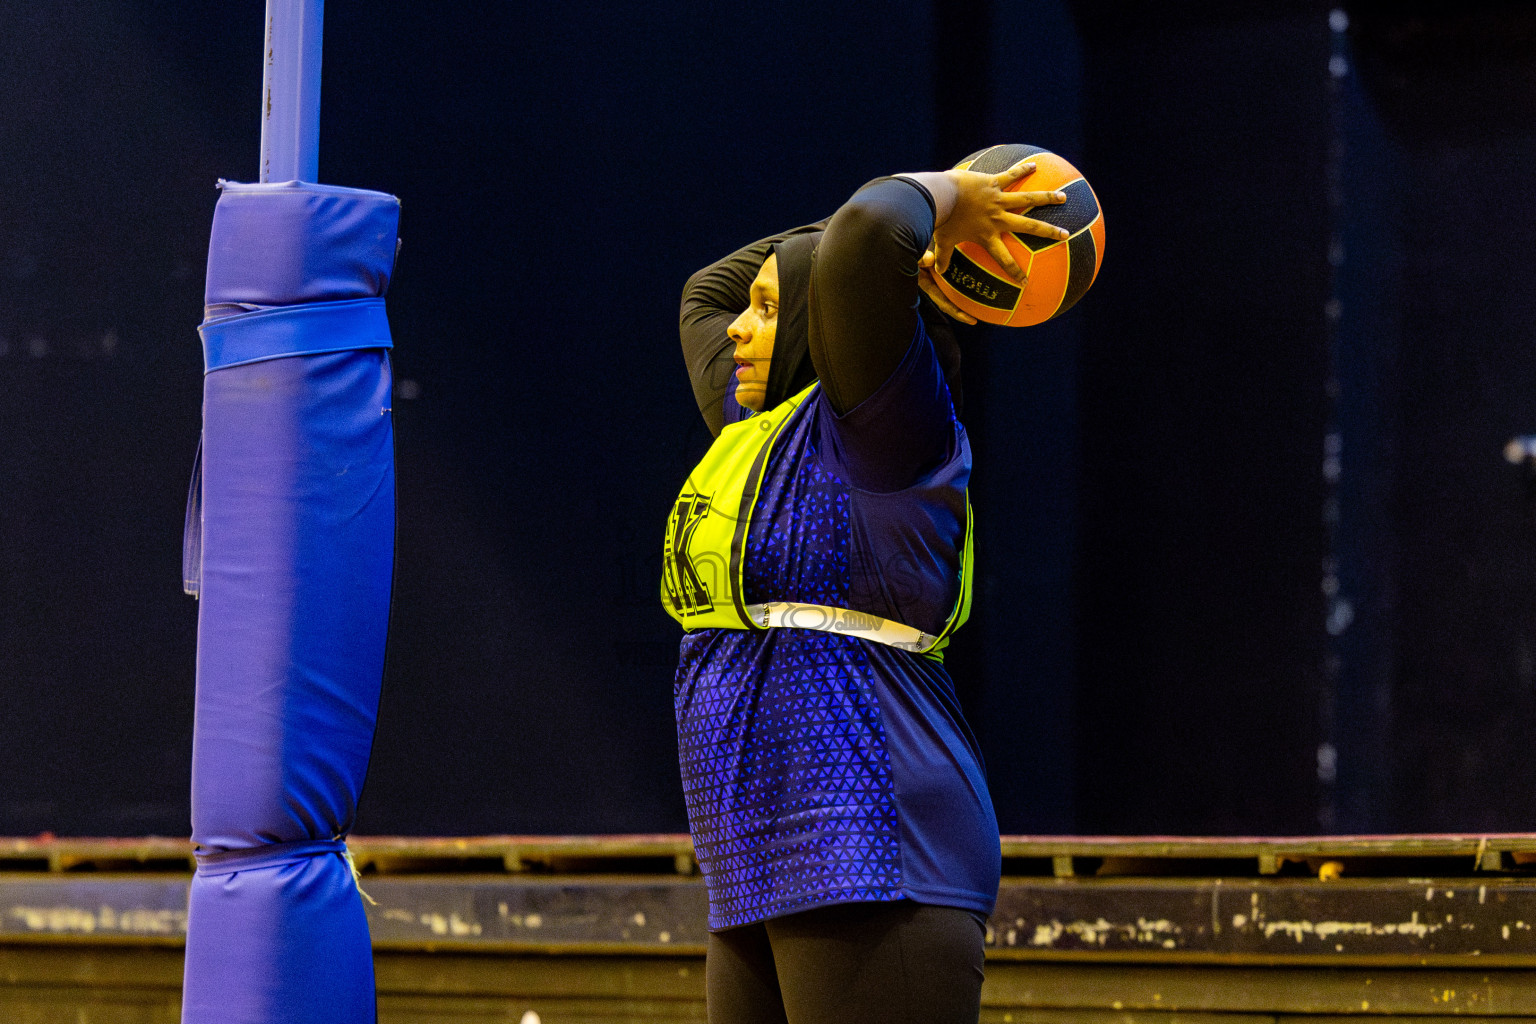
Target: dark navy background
<point>1154,648</point>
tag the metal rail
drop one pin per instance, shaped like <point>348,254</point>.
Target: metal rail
<point>1438,856</point>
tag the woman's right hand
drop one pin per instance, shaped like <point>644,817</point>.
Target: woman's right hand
<point>985,214</point>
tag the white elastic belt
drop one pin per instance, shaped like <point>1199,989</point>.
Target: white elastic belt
<point>794,615</point>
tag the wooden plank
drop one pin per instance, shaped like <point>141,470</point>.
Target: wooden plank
<point>1272,920</point>
<point>511,1009</point>
<point>140,986</point>
<point>543,977</point>
<point>1037,1015</point>
<point>135,909</point>
<point>1286,990</point>
<point>122,968</point>
<point>589,915</point>
<point>20,1005</point>
<point>1269,920</point>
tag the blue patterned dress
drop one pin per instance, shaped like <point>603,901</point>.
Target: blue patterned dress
<point>820,768</point>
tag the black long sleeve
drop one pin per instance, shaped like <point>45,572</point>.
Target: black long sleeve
<point>892,409</point>
<point>712,299</point>
<point>864,292</point>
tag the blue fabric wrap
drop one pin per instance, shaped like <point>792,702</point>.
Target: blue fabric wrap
<point>272,855</point>
<point>294,330</point>
<point>295,564</point>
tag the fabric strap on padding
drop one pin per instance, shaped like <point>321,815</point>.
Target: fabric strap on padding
<point>227,862</point>
<point>309,329</point>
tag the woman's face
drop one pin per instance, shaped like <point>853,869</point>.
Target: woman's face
<point>753,332</point>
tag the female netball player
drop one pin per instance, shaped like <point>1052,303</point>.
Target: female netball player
<point>819,558</point>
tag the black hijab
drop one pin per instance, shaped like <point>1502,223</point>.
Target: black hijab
<point>791,371</point>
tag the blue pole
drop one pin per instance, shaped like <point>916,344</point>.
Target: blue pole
<point>293,560</point>
<point>290,91</point>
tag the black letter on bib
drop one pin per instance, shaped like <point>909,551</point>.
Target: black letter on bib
<point>686,590</point>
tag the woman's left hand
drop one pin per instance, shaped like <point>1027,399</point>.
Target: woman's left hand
<point>930,286</point>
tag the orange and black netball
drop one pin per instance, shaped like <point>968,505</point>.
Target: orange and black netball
<point>1059,271</point>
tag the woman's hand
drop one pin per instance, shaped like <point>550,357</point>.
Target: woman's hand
<point>930,286</point>
<point>985,214</point>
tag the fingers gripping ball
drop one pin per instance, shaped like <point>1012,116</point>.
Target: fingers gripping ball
<point>1059,272</point>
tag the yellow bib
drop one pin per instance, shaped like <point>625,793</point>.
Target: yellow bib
<point>702,563</point>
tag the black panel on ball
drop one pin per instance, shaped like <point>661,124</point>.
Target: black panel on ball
<point>1000,158</point>
<point>979,285</point>
<point>1075,214</point>
<point>1082,259</point>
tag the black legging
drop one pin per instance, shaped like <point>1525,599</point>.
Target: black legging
<point>852,963</point>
